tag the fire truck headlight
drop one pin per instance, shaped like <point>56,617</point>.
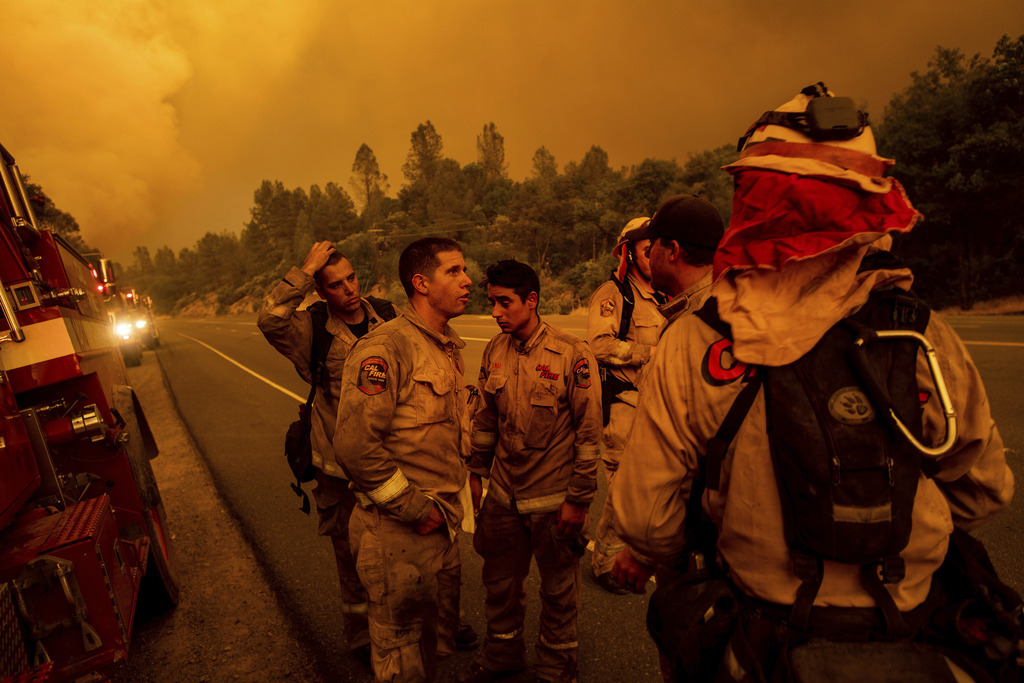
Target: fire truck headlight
<point>123,329</point>
<point>140,324</point>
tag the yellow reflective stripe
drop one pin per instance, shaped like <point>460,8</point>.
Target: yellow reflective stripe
<point>483,439</point>
<point>500,496</point>
<point>363,499</point>
<point>506,636</point>
<point>542,504</point>
<point>559,646</point>
<point>608,548</point>
<point>360,608</point>
<point>390,489</point>
<point>588,452</point>
<point>862,515</point>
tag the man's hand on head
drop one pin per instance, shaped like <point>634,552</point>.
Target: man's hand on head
<point>317,257</point>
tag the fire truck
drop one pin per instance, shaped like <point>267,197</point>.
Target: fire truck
<point>84,542</point>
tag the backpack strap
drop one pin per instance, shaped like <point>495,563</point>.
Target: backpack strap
<point>322,341</point>
<point>628,303</point>
<point>384,308</point>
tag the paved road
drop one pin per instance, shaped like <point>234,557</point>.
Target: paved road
<point>237,395</point>
<point>239,420</point>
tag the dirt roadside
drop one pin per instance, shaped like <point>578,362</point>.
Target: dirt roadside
<point>227,625</point>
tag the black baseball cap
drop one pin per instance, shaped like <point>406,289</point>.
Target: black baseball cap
<point>687,219</point>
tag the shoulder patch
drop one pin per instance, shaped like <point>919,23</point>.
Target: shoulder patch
<point>607,308</point>
<point>581,374</point>
<point>373,376</point>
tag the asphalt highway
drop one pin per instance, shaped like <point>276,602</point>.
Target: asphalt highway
<point>237,396</point>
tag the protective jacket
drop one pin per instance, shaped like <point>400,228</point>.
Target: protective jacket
<point>399,426</point>
<point>623,358</point>
<point>693,381</point>
<point>537,434</point>
<point>290,331</point>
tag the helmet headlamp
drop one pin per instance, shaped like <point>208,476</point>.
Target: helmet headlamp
<point>826,118</point>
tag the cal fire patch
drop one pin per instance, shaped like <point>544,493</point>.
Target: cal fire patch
<point>607,308</point>
<point>373,376</point>
<point>581,374</point>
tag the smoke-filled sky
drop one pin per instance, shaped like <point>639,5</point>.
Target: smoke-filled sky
<point>153,121</point>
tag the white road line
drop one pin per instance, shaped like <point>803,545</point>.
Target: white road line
<point>300,399</point>
<point>978,343</point>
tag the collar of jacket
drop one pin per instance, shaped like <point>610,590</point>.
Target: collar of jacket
<point>523,347</point>
<point>450,336</point>
<point>638,287</point>
<point>689,300</point>
<point>336,326</point>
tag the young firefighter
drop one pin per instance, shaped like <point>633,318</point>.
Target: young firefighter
<point>290,331</point>
<point>622,330</point>
<point>537,436</point>
<point>399,437</point>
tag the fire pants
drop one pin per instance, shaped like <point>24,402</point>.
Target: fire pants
<point>334,503</point>
<point>507,540</point>
<point>412,584</point>
<point>607,543</point>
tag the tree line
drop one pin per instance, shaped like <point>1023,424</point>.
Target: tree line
<point>956,132</point>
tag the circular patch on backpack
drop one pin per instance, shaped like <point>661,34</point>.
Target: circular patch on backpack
<point>850,405</point>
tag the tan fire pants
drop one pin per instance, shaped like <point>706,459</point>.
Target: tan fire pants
<point>412,584</point>
<point>507,540</point>
<point>334,504</point>
<point>607,543</point>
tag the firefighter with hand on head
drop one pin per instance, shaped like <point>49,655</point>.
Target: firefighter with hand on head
<point>347,317</point>
<point>622,330</point>
<point>398,436</point>
<point>775,411</point>
<point>537,438</point>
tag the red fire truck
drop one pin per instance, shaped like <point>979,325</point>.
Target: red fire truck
<point>83,538</point>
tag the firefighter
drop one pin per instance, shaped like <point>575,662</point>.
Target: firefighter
<point>398,436</point>
<point>806,247</point>
<point>537,437</point>
<point>622,330</point>
<point>290,331</point>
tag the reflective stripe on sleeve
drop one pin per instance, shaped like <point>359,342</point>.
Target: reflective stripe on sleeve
<point>359,608</point>
<point>390,489</point>
<point>499,495</point>
<point>483,439</point>
<point>588,452</point>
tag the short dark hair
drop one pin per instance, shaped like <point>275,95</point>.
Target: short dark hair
<point>421,257</point>
<point>515,275</point>
<point>331,260</point>
<point>693,255</point>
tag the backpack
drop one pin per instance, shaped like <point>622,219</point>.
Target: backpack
<point>298,448</point>
<point>846,475</point>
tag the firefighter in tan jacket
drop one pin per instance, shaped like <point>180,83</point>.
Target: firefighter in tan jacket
<point>622,330</point>
<point>398,436</point>
<point>537,438</point>
<point>789,268</point>
<point>290,331</point>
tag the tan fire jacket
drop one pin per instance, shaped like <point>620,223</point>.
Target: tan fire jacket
<point>690,385</point>
<point>623,357</point>
<point>290,331</point>
<point>537,433</point>
<point>399,429</point>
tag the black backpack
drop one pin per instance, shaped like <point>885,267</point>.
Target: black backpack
<point>298,448</point>
<point>846,474</point>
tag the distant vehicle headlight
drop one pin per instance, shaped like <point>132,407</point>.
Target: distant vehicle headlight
<point>124,329</point>
<point>140,324</point>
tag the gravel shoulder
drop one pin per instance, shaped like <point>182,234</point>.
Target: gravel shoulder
<point>227,625</point>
